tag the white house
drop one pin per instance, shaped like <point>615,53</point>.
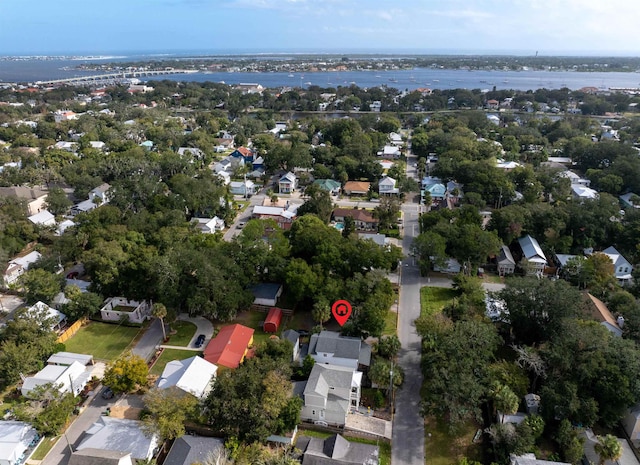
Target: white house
<point>43,218</point>
<point>266,294</point>
<point>194,152</point>
<point>18,266</point>
<point>116,308</point>
<point>330,394</point>
<point>72,378</point>
<point>387,186</point>
<point>621,267</point>
<point>68,358</point>
<point>395,139</point>
<point>100,194</point>
<point>16,438</point>
<point>390,151</point>
<point>55,318</point>
<point>97,144</point>
<point>209,225</point>
<point>506,263</point>
<point>193,376</point>
<point>581,192</point>
<point>533,254</point>
<point>121,435</point>
<point>330,347</point>
<point>63,226</point>
<point>293,337</point>
<point>287,183</point>
<point>574,178</point>
<point>242,187</point>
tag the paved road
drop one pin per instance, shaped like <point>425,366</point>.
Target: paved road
<point>60,453</point>
<point>147,344</point>
<point>204,326</point>
<point>408,423</point>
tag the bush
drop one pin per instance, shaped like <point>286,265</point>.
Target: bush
<point>378,399</point>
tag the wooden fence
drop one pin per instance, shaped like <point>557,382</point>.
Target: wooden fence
<point>71,330</point>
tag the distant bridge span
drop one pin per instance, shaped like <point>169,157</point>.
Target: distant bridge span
<point>116,76</point>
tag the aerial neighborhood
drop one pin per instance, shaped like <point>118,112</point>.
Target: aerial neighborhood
<point>174,254</point>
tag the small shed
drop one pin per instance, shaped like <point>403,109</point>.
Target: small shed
<point>274,318</point>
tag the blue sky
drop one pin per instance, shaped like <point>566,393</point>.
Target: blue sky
<point>423,26</point>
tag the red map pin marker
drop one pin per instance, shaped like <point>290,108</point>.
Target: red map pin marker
<point>341,310</point>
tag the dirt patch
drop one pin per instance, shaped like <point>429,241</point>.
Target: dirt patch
<point>125,411</point>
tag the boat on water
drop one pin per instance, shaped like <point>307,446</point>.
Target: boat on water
<point>308,83</point>
<point>378,76</point>
<point>291,75</point>
<point>436,80</point>
<point>393,80</point>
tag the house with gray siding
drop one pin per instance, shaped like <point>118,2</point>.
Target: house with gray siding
<point>330,393</point>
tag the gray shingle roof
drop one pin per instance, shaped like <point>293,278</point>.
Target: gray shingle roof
<point>98,457</point>
<point>337,450</point>
<point>187,450</point>
<point>343,347</point>
<point>291,335</point>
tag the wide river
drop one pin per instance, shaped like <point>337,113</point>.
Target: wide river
<point>41,70</point>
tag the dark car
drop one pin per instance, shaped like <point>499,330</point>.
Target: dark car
<point>107,394</point>
<point>200,340</point>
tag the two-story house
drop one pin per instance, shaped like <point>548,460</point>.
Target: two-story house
<point>330,347</point>
<point>287,183</point>
<point>330,394</point>
<point>387,186</point>
<point>621,267</point>
<point>533,255</point>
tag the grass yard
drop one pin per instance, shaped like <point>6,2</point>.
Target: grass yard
<point>43,449</point>
<point>299,320</point>
<point>167,356</point>
<point>385,446</point>
<point>390,321</point>
<point>102,340</point>
<point>434,299</point>
<point>441,448</point>
<point>185,330</point>
<point>253,320</point>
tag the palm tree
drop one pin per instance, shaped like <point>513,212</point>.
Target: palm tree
<point>504,399</point>
<point>608,448</point>
<point>160,311</point>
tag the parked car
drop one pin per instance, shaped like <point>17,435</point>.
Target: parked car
<point>200,340</point>
<point>241,224</point>
<point>107,394</point>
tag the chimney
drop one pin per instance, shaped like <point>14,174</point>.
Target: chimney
<point>620,321</point>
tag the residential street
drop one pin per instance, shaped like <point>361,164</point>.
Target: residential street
<point>147,344</point>
<point>408,424</point>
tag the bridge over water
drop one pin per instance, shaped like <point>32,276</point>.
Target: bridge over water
<point>97,78</point>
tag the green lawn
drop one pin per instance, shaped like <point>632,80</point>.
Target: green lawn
<point>185,331</point>
<point>434,299</point>
<point>441,448</point>
<point>102,340</point>
<point>390,321</point>
<point>385,446</point>
<point>45,446</point>
<point>252,320</point>
<point>169,355</point>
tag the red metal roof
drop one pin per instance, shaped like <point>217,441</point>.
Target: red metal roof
<point>272,322</point>
<point>229,346</point>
